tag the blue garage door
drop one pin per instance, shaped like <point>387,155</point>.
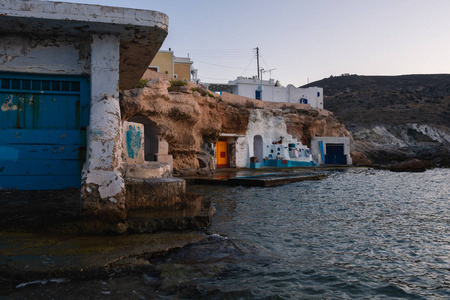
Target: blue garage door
<point>43,122</point>
<point>335,154</point>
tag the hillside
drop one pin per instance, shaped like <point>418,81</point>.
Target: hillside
<point>393,118</point>
<point>191,120</point>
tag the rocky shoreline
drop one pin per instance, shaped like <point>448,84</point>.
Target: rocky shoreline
<point>28,257</point>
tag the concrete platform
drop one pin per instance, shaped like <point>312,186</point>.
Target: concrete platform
<point>195,212</point>
<point>264,177</point>
<point>154,193</point>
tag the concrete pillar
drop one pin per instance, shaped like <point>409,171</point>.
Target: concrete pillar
<point>103,184</point>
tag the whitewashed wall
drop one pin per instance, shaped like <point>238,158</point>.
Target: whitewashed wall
<point>314,99</point>
<point>247,86</point>
<point>271,127</point>
<point>20,53</point>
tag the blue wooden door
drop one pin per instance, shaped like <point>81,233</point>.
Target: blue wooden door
<point>335,154</point>
<point>43,122</point>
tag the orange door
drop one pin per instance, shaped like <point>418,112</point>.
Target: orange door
<point>222,154</point>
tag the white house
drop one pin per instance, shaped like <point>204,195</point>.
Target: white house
<point>265,143</point>
<point>266,90</point>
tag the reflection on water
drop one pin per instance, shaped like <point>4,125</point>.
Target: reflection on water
<point>358,234</point>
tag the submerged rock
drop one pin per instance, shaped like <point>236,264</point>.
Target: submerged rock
<point>412,165</point>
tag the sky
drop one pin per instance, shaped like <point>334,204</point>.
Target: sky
<point>302,41</point>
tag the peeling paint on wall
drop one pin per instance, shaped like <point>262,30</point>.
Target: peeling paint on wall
<point>8,105</point>
<point>19,53</point>
<point>133,140</point>
<point>133,143</point>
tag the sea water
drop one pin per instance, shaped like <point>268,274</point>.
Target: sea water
<point>360,234</point>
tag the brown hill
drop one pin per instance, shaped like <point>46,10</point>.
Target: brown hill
<point>393,118</point>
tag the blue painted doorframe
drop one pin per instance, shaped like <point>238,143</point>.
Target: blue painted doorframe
<point>43,120</point>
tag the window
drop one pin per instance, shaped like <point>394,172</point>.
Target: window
<point>39,85</point>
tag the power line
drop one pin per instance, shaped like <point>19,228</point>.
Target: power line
<point>212,50</point>
<point>267,66</point>
<point>214,78</point>
<point>220,65</point>
<point>237,53</point>
<point>248,66</point>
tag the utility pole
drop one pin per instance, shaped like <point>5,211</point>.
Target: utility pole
<point>257,61</point>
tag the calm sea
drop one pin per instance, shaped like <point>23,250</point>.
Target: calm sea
<point>359,234</point>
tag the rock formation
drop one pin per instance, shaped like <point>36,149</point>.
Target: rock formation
<point>191,119</point>
<point>394,118</point>
<point>412,165</point>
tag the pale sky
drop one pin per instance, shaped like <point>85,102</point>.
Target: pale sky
<point>305,39</point>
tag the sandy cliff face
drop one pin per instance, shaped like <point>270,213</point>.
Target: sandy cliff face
<point>191,122</point>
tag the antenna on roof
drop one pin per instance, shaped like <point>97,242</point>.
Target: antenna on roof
<point>270,72</point>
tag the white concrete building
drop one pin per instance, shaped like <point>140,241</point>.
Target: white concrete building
<point>266,139</point>
<point>61,68</point>
<point>331,150</point>
<point>251,88</point>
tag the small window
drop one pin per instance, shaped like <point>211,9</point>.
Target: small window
<point>16,84</point>
<point>75,86</point>
<point>318,94</point>
<point>6,83</point>
<point>56,85</point>
<point>65,86</point>
<point>46,85</point>
<point>35,84</point>
<point>26,84</point>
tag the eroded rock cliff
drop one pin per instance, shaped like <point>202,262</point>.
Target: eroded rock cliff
<point>394,118</point>
<point>191,119</point>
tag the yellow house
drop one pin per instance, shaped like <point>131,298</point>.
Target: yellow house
<point>163,63</point>
<point>179,68</point>
<point>182,67</point>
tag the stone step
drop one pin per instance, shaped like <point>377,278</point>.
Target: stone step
<point>156,193</point>
<point>196,213</point>
<point>150,169</point>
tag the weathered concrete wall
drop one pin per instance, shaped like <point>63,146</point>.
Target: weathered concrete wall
<point>141,32</point>
<point>103,185</point>
<point>44,55</point>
